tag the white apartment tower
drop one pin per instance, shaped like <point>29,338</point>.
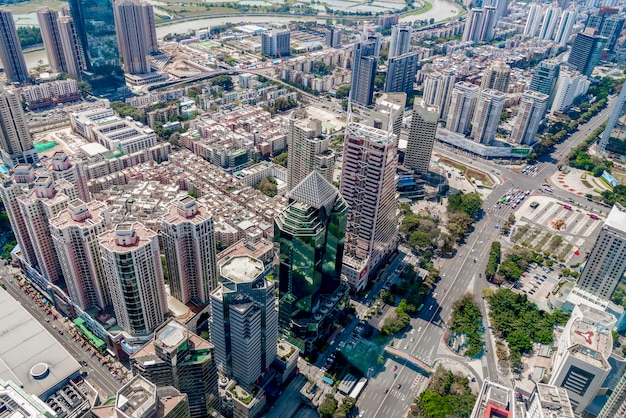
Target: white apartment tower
<point>75,233</point>
<point>606,264</point>
<point>132,264</point>
<point>422,132</point>
<point>462,105</point>
<point>566,24</point>
<point>569,86</point>
<point>438,90</point>
<point>533,21</point>
<point>548,24</point>
<point>308,150</point>
<point>497,77</point>
<point>487,115</point>
<point>531,111</point>
<point>188,237</point>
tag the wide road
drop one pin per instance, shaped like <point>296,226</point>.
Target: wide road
<point>460,275</point>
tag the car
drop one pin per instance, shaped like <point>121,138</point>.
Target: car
<point>362,414</point>
<point>387,390</point>
<point>395,368</point>
<point>435,295</point>
<point>412,339</point>
<point>83,362</point>
<point>399,386</point>
<point>419,329</point>
<point>395,375</point>
<point>406,347</point>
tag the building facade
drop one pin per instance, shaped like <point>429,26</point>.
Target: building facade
<point>133,35</point>
<point>569,86</point>
<point>497,77</point>
<point>364,66</point>
<point>401,71</point>
<point>16,142</point>
<point>276,43</point>
<point>48,24</point>
<point>462,104</point>
<point>422,132</point>
<point>531,112</point>
<point>11,50</point>
<point>487,115</point>
<point>586,51</point>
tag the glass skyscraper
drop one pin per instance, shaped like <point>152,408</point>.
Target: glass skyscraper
<point>96,30</point>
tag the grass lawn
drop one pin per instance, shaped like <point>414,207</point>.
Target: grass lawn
<point>33,5</point>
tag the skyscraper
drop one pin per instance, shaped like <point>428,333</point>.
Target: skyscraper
<point>188,239</point>
<point>566,24</point>
<point>61,167</point>
<point>473,26</point>
<point>75,233</point>
<point>11,50</point>
<point>549,22</point>
<point>368,184</point>
<point>487,115</point>
<point>150,27</point>
<point>333,37</point>
<point>244,320</point>
<point>178,357</point>
<point>615,127</point>
<point>606,264</point>
<point>364,65</point>
<point>531,111</point>
<point>133,40</point>
<point>544,78</point>
<point>308,149</point>
<point>401,71</point>
<point>615,406</point>
<point>16,142</point>
<point>438,90</point>
<point>497,77</point>
<point>276,43</point>
<point>586,51</point>
<point>490,18</point>
<point>400,42</point>
<point>132,264</point>
<point>310,233</point>
<point>422,132</point>
<point>72,48</point>
<point>48,24</point>
<point>95,27</point>
<point>608,23</point>
<point>569,86</point>
<point>462,105</point>
<point>533,21</point>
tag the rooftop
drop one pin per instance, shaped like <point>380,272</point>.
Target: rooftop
<point>554,401</point>
<point>315,191</point>
<point>172,334</point>
<point>242,269</point>
<point>494,400</point>
<point>617,218</point>
<point>136,397</point>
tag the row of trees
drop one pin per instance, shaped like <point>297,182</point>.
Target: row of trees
<point>29,36</point>
<point>467,319</point>
<point>447,395</point>
<point>494,260</point>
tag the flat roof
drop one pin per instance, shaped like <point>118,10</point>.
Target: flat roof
<point>24,344</point>
<point>241,269</point>
<point>94,148</point>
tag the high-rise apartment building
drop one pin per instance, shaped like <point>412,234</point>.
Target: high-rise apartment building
<point>490,18</point>
<point>549,402</point>
<point>473,26</point>
<point>569,86</point>
<point>531,112</point>
<point>615,128</point>
<point>497,77</point>
<point>309,150</point>
<point>75,233</point>
<point>333,37</point>
<point>487,115</point>
<point>566,24</point>
<point>150,27</point>
<point>364,65</point>
<point>244,320</point>
<point>422,132</point>
<point>401,71</point>
<point>178,357</point>
<point>586,51</point>
<point>61,167</point>
<point>533,21</point>
<point>132,264</point>
<point>580,364</point>
<point>368,184</point>
<point>549,22</point>
<point>48,24</point>
<point>11,50</point>
<point>438,88</point>
<point>462,104</point>
<point>615,406</point>
<point>95,28</point>
<point>608,23</point>
<point>606,264</point>
<point>545,77</point>
<point>276,43</point>
<point>400,42</point>
<point>132,36</point>
<point>188,238</point>
<point>310,234</point>
<point>16,142</point>
<point>72,48</point>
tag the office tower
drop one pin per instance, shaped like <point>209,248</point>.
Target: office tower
<point>586,51</point>
<point>141,399</point>
<point>549,402</point>
<point>51,38</point>
<point>422,132</point>
<point>132,264</point>
<point>549,22</point>
<point>531,111</point>
<point>496,77</point>
<point>569,86</point>
<point>566,24</point>
<point>333,37</point>
<point>72,48</point>
<point>11,50</point>
<point>606,264</point>
<point>615,406</point>
<point>608,23</point>
<point>544,78</point>
<point>401,72</point>
<point>364,65</point>
<point>615,128</point>
<point>42,203</point>
<point>180,358</point>
<point>490,18</point>
<point>244,320</point>
<point>188,238</point>
<point>400,43</point>
<point>494,400</point>
<point>473,26</point>
<point>309,149</point>
<point>132,40</point>
<point>276,43</point>
<point>533,22</point>
<point>95,29</point>
<point>487,116</point>
<point>61,167</point>
<point>310,233</point>
<point>462,105</point>
<point>16,142</point>
<point>75,233</point>
<point>580,364</point>
<point>368,184</point>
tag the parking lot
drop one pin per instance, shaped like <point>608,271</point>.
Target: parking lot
<point>537,283</point>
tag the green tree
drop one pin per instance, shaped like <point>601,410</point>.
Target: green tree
<point>342,91</point>
<point>268,186</point>
<point>328,407</point>
<point>29,36</point>
<point>281,159</point>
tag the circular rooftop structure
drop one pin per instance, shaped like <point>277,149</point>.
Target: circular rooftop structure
<point>39,370</point>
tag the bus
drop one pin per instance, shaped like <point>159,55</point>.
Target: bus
<point>420,307</point>
<point>568,207</point>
